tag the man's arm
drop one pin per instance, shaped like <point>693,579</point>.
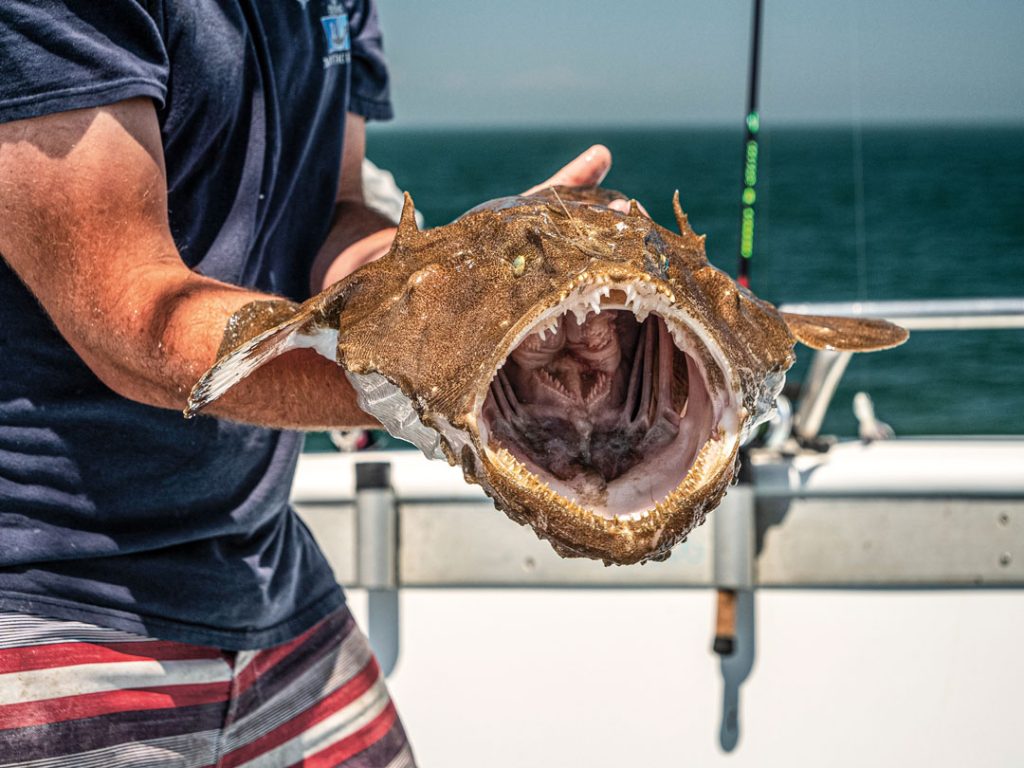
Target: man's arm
<point>358,235</point>
<point>83,200</point>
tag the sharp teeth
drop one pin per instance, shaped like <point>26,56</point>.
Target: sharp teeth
<point>679,337</point>
<point>633,517</point>
<point>544,328</point>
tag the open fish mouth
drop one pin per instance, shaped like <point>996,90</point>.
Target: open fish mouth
<point>613,402</point>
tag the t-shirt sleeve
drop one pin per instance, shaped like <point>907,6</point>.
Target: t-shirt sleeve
<point>57,55</point>
<point>370,96</point>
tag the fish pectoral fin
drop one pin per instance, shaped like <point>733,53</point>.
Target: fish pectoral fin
<point>255,335</point>
<point>845,334</point>
<point>255,318</point>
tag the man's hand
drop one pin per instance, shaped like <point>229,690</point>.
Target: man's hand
<point>589,169</point>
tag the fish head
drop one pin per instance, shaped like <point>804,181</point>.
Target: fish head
<point>587,367</point>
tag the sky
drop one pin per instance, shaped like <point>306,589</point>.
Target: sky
<point>673,62</point>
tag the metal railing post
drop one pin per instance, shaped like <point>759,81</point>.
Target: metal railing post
<point>377,558</point>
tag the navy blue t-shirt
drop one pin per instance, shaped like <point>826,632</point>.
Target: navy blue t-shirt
<point>129,516</point>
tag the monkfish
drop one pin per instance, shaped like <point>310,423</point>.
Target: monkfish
<point>588,368</point>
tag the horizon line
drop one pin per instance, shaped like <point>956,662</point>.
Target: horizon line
<point>429,125</point>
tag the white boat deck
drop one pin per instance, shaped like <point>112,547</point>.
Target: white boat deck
<point>880,649</point>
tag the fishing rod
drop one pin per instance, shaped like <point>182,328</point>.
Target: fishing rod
<point>752,125</point>
<point>725,620</point>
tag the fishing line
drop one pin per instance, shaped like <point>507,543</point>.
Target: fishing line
<point>860,232</point>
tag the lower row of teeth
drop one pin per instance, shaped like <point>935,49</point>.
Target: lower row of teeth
<point>517,468</point>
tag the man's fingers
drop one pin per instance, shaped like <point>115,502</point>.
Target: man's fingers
<point>588,169</point>
<point>622,206</point>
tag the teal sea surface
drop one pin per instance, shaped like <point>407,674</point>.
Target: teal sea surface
<point>842,215</point>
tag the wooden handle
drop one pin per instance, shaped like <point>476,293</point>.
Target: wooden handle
<point>725,623</point>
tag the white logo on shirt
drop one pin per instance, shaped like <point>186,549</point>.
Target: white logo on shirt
<point>335,26</point>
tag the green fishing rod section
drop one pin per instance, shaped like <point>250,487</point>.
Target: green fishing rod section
<point>748,197</point>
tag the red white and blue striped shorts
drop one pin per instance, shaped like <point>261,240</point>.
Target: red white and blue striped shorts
<point>82,696</point>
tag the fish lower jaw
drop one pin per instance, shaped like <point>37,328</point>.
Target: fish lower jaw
<point>542,496</point>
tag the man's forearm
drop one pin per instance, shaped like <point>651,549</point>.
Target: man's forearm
<point>168,330</point>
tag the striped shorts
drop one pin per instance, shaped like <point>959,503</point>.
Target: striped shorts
<point>77,695</point>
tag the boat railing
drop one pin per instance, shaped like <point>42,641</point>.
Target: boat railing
<point>913,513</point>
<point>827,366</point>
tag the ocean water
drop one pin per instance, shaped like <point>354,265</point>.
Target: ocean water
<point>842,215</point>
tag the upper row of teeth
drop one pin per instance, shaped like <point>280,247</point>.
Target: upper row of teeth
<point>638,301</point>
